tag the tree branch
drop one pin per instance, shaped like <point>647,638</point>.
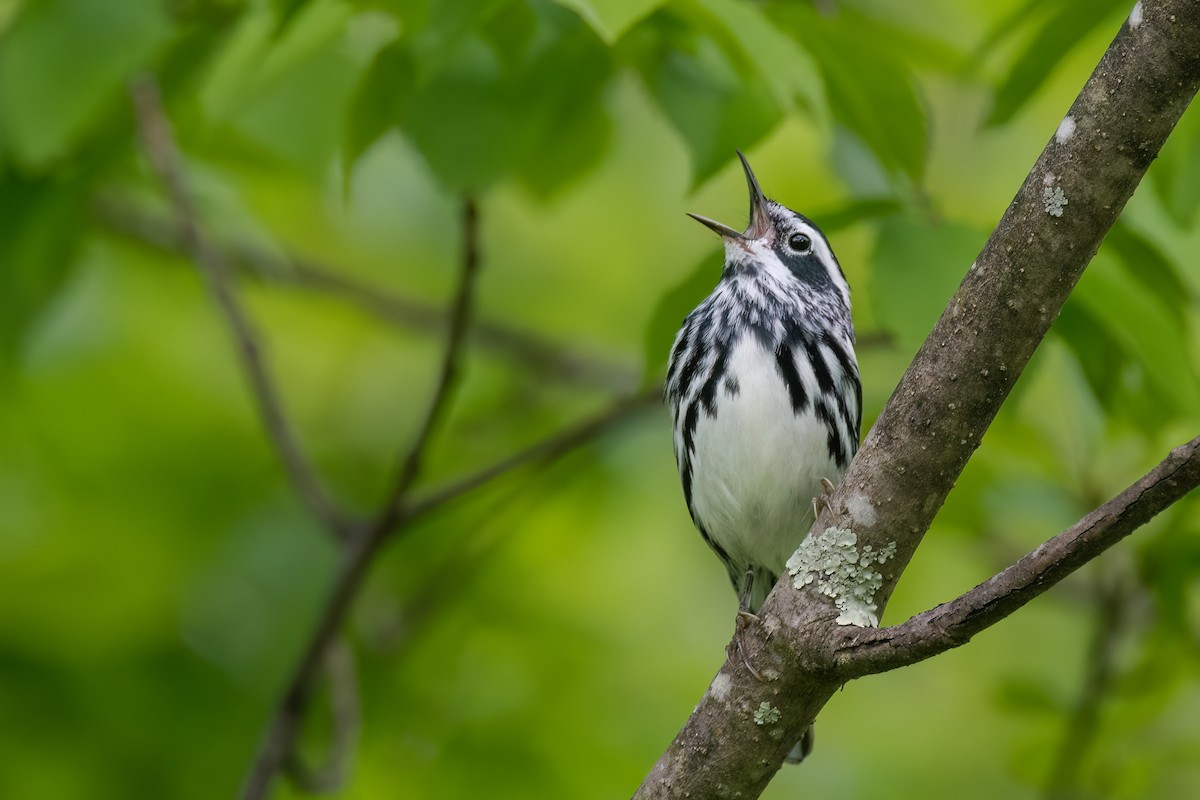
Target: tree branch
<point>541,355</point>
<point>360,545</point>
<point>946,400</point>
<point>345,724</point>
<point>549,449</point>
<point>1113,595</point>
<point>866,651</point>
<point>460,315</point>
<point>281,734</point>
<point>160,150</point>
<point>363,547</point>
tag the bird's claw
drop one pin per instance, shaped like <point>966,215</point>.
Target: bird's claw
<point>821,500</point>
<point>742,621</point>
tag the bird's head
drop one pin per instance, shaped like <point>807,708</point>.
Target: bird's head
<point>784,244</point>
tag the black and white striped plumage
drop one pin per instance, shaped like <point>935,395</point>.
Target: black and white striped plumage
<point>764,389</point>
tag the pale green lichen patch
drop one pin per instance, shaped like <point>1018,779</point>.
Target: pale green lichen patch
<point>833,561</point>
<point>766,714</point>
<point>1055,200</point>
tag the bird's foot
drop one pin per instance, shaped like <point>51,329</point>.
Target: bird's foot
<point>742,621</point>
<point>822,500</point>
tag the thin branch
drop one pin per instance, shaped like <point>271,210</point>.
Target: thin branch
<point>281,735</point>
<point>1112,594</point>
<point>545,357</point>
<point>410,465</point>
<point>163,155</point>
<point>549,449</point>
<point>869,651</point>
<point>347,720</point>
<point>280,740</point>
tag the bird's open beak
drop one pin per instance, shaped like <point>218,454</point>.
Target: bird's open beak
<point>760,221</point>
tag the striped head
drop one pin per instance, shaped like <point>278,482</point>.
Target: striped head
<point>784,253</point>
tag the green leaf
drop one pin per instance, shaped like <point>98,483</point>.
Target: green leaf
<point>1156,341</point>
<point>669,314</point>
<point>8,13</point>
<point>710,93</point>
<point>869,87</point>
<point>1175,174</point>
<point>1100,355</point>
<point>1170,567</point>
<point>63,63</point>
<point>1147,265</point>
<point>451,25</point>
<point>784,66</point>
<point>1065,29</point>
<point>1022,694</point>
<point>611,18</point>
<point>580,139</point>
<point>285,13</point>
<point>1008,26</point>
<point>377,102</point>
<point>856,211</point>
<point>917,267</point>
<point>39,224</point>
<point>539,118</point>
<point>511,32</point>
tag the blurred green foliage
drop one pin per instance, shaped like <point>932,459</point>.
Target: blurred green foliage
<point>545,636</point>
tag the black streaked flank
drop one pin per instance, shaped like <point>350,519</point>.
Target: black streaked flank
<point>681,347</point>
<point>708,394</point>
<point>819,367</point>
<point>785,362</point>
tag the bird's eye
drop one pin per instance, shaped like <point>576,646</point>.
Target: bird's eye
<point>800,242</point>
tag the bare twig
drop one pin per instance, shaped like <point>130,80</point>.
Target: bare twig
<point>347,718</point>
<point>410,465</point>
<point>395,516</point>
<point>545,357</point>
<point>161,152</point>
<point>549,449</point>
<point>1112,594</point>
<point>361,552</point>
<point>869,651</point>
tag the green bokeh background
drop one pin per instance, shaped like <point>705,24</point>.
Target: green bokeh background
<point>547,635</point>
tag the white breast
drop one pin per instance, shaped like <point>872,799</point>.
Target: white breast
<point>757,465</point>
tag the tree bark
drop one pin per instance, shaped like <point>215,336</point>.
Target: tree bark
<point>744,725</point>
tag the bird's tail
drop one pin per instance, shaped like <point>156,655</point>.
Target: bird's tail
<point>802,748</point>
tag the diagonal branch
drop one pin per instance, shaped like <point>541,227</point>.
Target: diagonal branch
<point>345,725</point>
<point>549,449</point>
<point>460,315</point>
<point>866,651</point>
<point>163,155</point>
<point>280,740</point>
<point>1113,597</point>
<point>522,347</point>
<point>281,734</point>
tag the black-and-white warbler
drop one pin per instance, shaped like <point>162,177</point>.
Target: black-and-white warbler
<point>764,390</point>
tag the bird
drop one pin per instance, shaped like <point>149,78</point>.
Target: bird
<point>765,396</point>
